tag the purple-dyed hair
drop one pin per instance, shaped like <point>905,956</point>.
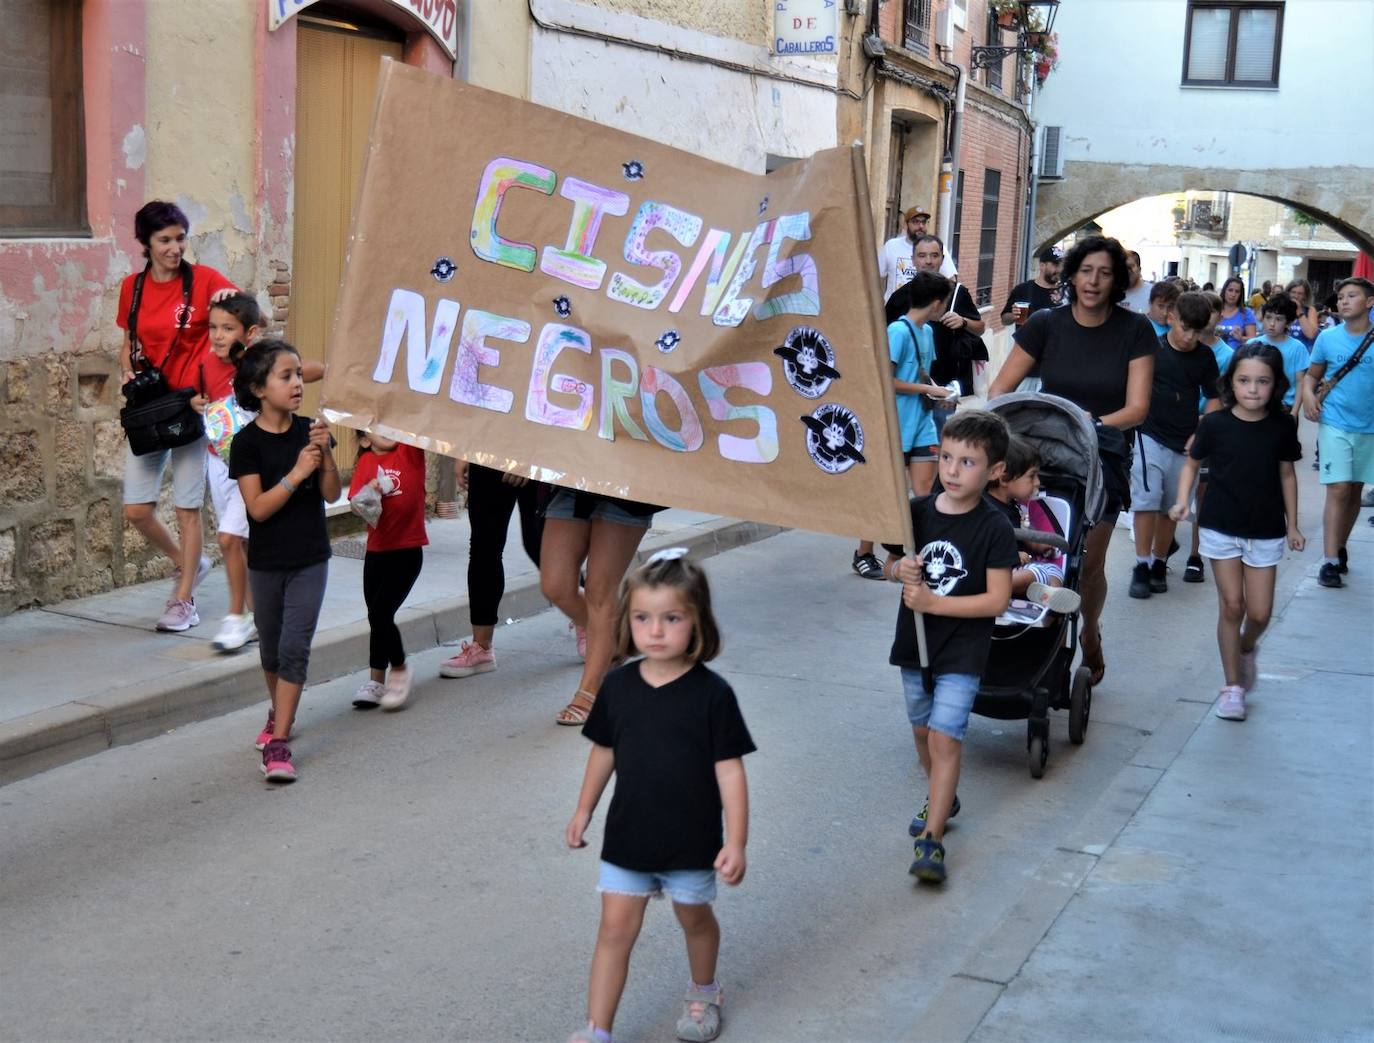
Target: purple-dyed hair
<point>153,217</point>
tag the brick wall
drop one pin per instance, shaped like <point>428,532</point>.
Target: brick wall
<point>992,140</point>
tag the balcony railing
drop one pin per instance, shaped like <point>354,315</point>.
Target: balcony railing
<point>916,34</point>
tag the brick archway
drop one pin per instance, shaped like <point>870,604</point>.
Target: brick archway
<point>1338,196</point>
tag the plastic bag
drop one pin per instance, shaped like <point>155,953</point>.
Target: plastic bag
<point>367,505</point>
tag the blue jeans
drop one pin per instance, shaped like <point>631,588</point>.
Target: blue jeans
<point>946,709</point>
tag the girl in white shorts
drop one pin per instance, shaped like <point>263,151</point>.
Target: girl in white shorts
<point>1251,509</point>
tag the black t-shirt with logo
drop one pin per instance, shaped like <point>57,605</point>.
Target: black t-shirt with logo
<point>958,550</point>
<point>666,811</point>
<point>1244,493</point>
<point>295,537</point>
<point>1180,378</point>
<point>1088,365</point>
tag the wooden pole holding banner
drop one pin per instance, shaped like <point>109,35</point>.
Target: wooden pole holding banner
<point>868,251</point>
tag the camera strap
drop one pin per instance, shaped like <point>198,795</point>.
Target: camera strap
<point>136,356</point>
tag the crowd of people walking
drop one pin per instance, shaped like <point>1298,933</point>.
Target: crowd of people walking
<point>1194,398</point>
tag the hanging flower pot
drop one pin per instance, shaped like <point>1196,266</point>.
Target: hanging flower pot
<point>1035,41</point>
<point>1006,19</point>
<point>1042,69</point>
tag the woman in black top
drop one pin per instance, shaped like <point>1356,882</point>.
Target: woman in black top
<point>1100,357</point>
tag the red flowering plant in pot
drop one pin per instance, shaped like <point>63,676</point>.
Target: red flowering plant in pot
<point>1046,55</point>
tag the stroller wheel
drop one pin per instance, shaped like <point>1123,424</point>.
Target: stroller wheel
<point>1080,705</point>
<point>1039,754</point>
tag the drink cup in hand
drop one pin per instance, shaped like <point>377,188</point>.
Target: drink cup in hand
<point>1021,311</point>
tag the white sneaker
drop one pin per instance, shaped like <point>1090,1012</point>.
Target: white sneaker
<point>1057,599</point>
<point>1231,705</point>
<point>397,689</point>
<point>234,632</point>
<point>369,695</point>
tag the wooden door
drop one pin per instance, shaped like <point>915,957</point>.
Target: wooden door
<point>336,79</point>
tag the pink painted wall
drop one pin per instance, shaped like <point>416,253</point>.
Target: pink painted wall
<point>59,294</point>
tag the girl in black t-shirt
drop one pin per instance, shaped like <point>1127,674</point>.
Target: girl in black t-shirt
<point>671,731</point>
<point>1251,508</point>
<point>286,472</point>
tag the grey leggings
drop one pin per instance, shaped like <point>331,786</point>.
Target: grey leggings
<point>286,607</point>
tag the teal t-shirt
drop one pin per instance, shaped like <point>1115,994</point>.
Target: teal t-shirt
<point>1295,360</point>
<point>910,355</point>
<point>1222,352</point>
<point>1350,405</point>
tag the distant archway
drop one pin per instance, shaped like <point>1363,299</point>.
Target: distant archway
<point>1339,197</point>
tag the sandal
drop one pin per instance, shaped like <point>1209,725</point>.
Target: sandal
<point>574,715</point>
<point>1097,664</point>
<point>586,1035</point>
<point>700,1019</point>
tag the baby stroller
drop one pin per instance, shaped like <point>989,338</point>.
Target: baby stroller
<point>1030,668</point>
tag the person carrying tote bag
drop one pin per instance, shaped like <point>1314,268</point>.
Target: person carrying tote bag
<point>167,335</point>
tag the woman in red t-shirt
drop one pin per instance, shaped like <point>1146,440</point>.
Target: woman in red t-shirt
<point>172,327</point>
<point>392,563</point>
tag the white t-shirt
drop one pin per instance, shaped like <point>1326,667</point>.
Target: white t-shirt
<point>1138,300</point>
<point>896,267</point>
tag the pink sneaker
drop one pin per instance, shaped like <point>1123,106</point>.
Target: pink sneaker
<point>276,762</point>
<point>178,616</point>
<point>471,659</point>
<point>1231,705</point>
<point>265,736</point>
<point>397,690</point>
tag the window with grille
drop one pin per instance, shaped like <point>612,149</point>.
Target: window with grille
<point>987,238</point>
<point>916,36</point>
<point>953,244</point>
<point>42,142</point>
<point>993,73</point>
<point>1232,44</point>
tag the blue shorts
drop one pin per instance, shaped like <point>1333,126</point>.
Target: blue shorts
<point>945,710</point>
<point>569,505</point>
<point>683,886</point>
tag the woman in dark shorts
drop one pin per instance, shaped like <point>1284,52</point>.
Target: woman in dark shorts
<point>605,532</point>
<point>1101,357</point>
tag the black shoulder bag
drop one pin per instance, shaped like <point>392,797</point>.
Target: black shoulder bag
<point>155,417</point>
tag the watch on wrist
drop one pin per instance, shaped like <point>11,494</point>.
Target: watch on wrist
<point>287,484</point>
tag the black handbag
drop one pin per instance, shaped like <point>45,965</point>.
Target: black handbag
<point>155,417</point>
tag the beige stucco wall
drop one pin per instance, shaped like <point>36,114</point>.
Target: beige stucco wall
<point>201,125</point>
<point>499,48</point>
<point>748,20</point>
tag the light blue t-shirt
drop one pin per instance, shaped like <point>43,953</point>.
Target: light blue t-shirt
<point>1350,405</point>
<point>1295,359</point>
<point>1233,329</point>
<point>910,355</point>
<point>1222,352</point>
<point>1161,328</point>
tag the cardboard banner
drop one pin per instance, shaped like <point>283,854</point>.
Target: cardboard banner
<point>547,296</point>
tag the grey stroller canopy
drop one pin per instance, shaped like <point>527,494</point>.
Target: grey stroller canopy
<point>1065,438</point>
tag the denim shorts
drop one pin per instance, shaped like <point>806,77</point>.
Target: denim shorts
<point>570,505</point>
<point>945,710</point>
<point>143,475</point>
<point>683,886</point>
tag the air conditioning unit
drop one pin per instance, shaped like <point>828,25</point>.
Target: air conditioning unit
<point>1051,152</point>
<point>944,29</point>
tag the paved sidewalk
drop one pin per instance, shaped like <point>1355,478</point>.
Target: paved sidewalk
<point>83,675</point>
<point>1223,886</point>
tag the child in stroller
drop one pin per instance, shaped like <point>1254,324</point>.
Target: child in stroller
<point>1040,577</point>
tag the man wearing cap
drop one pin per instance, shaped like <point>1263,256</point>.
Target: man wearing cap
<point>1035,294</point>
<point>896,264</point>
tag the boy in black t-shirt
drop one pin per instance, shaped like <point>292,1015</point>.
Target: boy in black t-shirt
<point>959,581</point>
<point>1185,370</point>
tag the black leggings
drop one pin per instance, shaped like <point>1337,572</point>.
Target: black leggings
<point>388,576</point>
<point>490,503</point>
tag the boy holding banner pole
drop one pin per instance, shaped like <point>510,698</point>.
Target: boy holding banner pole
<point>952,592</point>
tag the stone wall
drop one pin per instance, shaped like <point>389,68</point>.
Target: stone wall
<point>61,457</point>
